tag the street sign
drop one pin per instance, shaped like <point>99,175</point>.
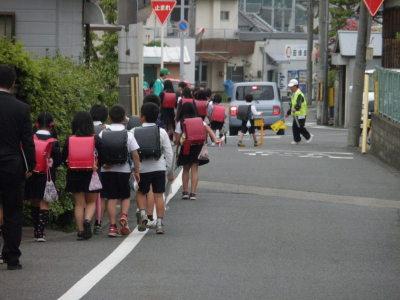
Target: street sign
<point>162,9</point>
<point>183,25</point>
<point>373,6</point>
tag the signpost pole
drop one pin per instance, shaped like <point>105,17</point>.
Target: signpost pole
<point>182,45</point>
<point>162,46</point>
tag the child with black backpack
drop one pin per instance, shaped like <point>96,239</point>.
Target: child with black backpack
<point>99,113</point>
<point>48,159</point>
<point>191,133</point>
<point>116,143</point>
<point>247,113</point>
<point>156,156</point>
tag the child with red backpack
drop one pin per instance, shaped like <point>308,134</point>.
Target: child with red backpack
<point>201,103</point>
<point>80,155</point>
<point>191,133</point>
<point>48,159</point>
<point>216,114</point>
<point>168,105</point>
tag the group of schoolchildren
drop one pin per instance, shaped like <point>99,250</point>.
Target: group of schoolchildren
<point>105,162</point>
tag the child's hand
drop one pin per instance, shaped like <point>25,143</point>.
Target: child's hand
<point>50,162</point>
<point>170,177</point>
<point>218,141</point>
<point>137,176</point>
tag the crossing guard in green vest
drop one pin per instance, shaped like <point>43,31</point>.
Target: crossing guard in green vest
<point>158,86</point>
<point>298,109</point>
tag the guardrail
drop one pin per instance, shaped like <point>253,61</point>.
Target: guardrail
<point>388,93</point>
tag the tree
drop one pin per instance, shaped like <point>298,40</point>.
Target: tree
<point>341,11</point>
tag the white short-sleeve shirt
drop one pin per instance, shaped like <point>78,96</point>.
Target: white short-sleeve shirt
<point>131,144</point>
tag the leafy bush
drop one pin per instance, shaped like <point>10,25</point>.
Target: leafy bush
<point>62,87</point>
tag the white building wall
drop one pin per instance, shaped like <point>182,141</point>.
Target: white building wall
<point>48,26</point>
<point>208,16</point>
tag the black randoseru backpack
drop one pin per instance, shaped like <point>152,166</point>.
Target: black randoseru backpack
<point>148,139</point>
<point>114,149</point>
<point>244,112</point>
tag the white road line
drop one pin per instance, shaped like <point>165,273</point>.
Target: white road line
<point>298,152</point>
<point>83,286</point>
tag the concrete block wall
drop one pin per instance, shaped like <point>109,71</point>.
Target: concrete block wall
<point>386,140</point>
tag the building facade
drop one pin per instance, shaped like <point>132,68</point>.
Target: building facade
<point>47,27</point>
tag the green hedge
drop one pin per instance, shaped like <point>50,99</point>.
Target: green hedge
<point>62,87</point>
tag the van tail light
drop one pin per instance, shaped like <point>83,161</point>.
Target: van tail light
<point>276,110</point>
<point>233,111</point>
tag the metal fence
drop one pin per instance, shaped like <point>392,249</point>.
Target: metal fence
<point>389,93</point>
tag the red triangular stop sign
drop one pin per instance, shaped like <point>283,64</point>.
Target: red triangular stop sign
<point>162,9</point>
<point>373,6</point>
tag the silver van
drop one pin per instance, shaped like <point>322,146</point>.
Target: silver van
<point>267,98</point>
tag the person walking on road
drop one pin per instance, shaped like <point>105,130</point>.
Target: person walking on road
<point>16,126</point>
<point>298,109</point>
<point>158,86</point>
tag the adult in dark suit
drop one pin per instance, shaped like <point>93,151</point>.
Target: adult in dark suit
<point>15,139</point>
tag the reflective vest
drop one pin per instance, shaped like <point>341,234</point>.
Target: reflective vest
<point>303,108</point>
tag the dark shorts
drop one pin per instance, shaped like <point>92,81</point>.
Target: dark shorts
<point>244,128</point>
<point>79,181</point>
<point>115,185</point>
<point>154,179</point>
<point>216,125</point>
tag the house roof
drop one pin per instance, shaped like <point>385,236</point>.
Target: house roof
<point>346,43</point>
<point>231,47</point>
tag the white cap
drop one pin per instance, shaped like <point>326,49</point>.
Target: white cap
<point>293,82</point>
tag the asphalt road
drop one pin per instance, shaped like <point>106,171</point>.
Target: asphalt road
<point>314,221</point>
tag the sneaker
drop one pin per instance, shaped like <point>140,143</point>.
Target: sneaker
<point>113,231</point>
<point>79,236</point>
<point>151,224</point>
<point>123,221</point>
<point>87,230</point>
<point>143,222</point>
<point>295,143</point>
<point>97,228</point>
<point>160,227</point>
<point>185,196</point>
<point>193,196</point>
<point>310,139</point>
<point>41,239</point>
<point>240,144</point>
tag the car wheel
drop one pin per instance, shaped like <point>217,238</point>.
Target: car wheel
<point>233,131</point>
<point>280,132</point>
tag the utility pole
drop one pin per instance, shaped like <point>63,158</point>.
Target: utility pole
<point>292,24</point>
<point>273,14</point>
<point>182,46</point>
<point>322,109</point>
<point>310,45</point>
<point>364,30</point>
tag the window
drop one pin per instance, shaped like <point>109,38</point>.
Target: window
<point>7,25</point>
<point>224,15</point>
<point>259,92</point>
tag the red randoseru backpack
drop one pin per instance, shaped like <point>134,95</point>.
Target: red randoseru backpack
<point>201,106</point>
<point>43,150</point>
<point>169,100</point>
<point>81,152</point>
<point>195,133</point>
<point>218,114</point>
<point>187,100</point>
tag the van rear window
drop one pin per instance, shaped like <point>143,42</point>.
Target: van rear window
<point>259,92</point>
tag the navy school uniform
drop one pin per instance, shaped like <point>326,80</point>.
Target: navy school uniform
<point>35,185</point>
